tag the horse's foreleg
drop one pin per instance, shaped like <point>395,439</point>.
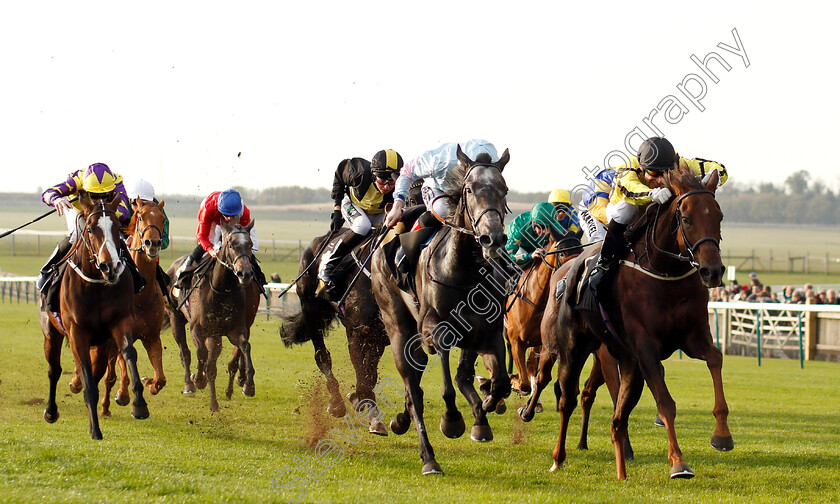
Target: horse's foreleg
<point>81,353</point>
<point>494,361</point>
<point>609,372</point>
<point>199,378</point>
<point>451,422</point>
<point>52,352</point>
<point>244,359</point>
<point>411,360</point>
<point>702,348</point>
<point>517,351</point>
<point>464,378</point>
<point>587,399</point>
<point>139,408</point>
<point>101,365</point>
<point>547,360</point>
<point>568,375</point>
<point>154,349</point>
<point>629,393</point>
<point>214,348</point>
<point>365,354</point>
<point>122,398</point>
<point>232,368</point>
<point>323,360</point>
<point>179,333</point>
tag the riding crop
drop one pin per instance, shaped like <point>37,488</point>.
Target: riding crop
<point>36,219</point>
<point>382,234</point>
<point>314,259</point>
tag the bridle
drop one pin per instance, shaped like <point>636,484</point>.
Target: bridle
<point>141,231</point>
<point>473,221</point>
<point>225,251</point>
<point>689,248</point>
<point>92,257</point>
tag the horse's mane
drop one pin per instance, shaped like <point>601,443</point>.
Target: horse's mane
<point>132,224</point>
<point>683,178</point>
<point>454,180</point>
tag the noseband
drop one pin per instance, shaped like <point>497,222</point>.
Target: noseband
<point>225,251</point>
<point>92,257</point>
<point>689,248</point>
<point>142,231</point>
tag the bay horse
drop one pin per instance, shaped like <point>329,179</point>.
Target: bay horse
<point>366,336</point>
<point>144,244</point>
<point>96,303</point>
<point>655,305</point>
<point>222,300</point>
<point>460,302</point>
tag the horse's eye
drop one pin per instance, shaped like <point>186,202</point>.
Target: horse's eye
<point>685,221</point>
<point>468,190</point>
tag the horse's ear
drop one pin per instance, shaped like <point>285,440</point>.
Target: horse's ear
<point>114,204</point>
<point>463,158</point>
<point>713,182</point>
<point>250,226</point>
<point>503,160</point>
<point>161,203</point>
<point>87,204</point>
<point>227,228</point>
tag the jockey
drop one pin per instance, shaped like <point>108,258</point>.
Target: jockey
<point>593,205</point>
<point>565,214</point>
<point>433,166</point>
<point>97,181</point>
<point>638,185</point>
<point>219,206</point>
<point>143,190</point>
<point>528,233</point>
<point>361,190</point>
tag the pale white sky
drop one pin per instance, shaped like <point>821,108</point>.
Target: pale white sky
<point>173,91</point>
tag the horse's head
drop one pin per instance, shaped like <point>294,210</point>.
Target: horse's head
<point>236,251</point>
<point>147,226</point>
<point>568,248</point>
<point>100,236</point>
<point>482,190</point>
<point>698,217</point>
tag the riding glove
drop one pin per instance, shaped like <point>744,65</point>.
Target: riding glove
<point>337,221</point>
<point>660,195</point>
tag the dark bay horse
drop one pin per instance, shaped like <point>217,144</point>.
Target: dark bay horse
<point>222,300</point>
<point>366,337</point>
<point>655,305</point>
<point>460,302</point>
<point>145,237</point>
<point>96,311</point>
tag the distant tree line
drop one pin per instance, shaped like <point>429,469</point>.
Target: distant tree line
<point>800,200</point>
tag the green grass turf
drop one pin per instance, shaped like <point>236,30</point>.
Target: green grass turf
<point>784,421</point>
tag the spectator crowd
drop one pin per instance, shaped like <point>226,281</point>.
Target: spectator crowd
<point>756,292</point>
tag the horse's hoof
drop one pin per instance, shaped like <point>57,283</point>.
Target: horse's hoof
<point>378,428</point>
<point>431,468</point>
<point>658,422</point>
<point>481,433</point>
<point>538,408</point>
<point>75,386</point>
<point>722,443</point>
<point>524,415</point>
<point>240,380</point>
<point>51,416</point>
<point>199,381</point>
<point>214,407</point>
<point>501,407</point>
<point>555,466</point>
<point>489,404</point>
<point>140,412</point>
<point>105,413</point>
<point>228,393</point>
<point>122,400</point>
<point>453,428</point>
<point>352,398</point>
<point>681,471</point>
<point>400,424</point>
<point>189,388</point>
<point>337,409</point>
<point>250,391</point>
<point>97,435</point>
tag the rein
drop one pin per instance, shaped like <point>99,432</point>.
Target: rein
<point>690,249</point>
<point>472,221</point>
<point>91,257</point>
<point>229,265</point>
<point>142,231</point>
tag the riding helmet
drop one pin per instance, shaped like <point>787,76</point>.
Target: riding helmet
<point>542,214</point>
<point>657,153</point>
<point>230,203</point>
<point>386,164</point>
<point>98,178</point>
<point>142,189</point>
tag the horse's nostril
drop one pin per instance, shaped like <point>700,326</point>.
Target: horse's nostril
<point>485,240</point>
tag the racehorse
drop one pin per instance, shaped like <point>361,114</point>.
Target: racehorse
<point>96,303</point>
<point>525,307</point>
<point>366,337</point>
<point>145,234</point>
<point>655,305</point>
<point>460,302</point>
<point>222,300</point>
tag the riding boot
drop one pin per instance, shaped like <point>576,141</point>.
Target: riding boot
<point>162,280</point>
<point>183,272</point>
<point>259,276</point>
<point>345,245</point>
<point>48,269</point>
<point>614,244</point>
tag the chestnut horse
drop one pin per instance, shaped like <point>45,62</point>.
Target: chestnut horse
<point>145,234</point>
<point>96,310</point>
<point>460,302</point>
<point>655,305</point>
<point>366,337</point>
<point>222,300</point>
